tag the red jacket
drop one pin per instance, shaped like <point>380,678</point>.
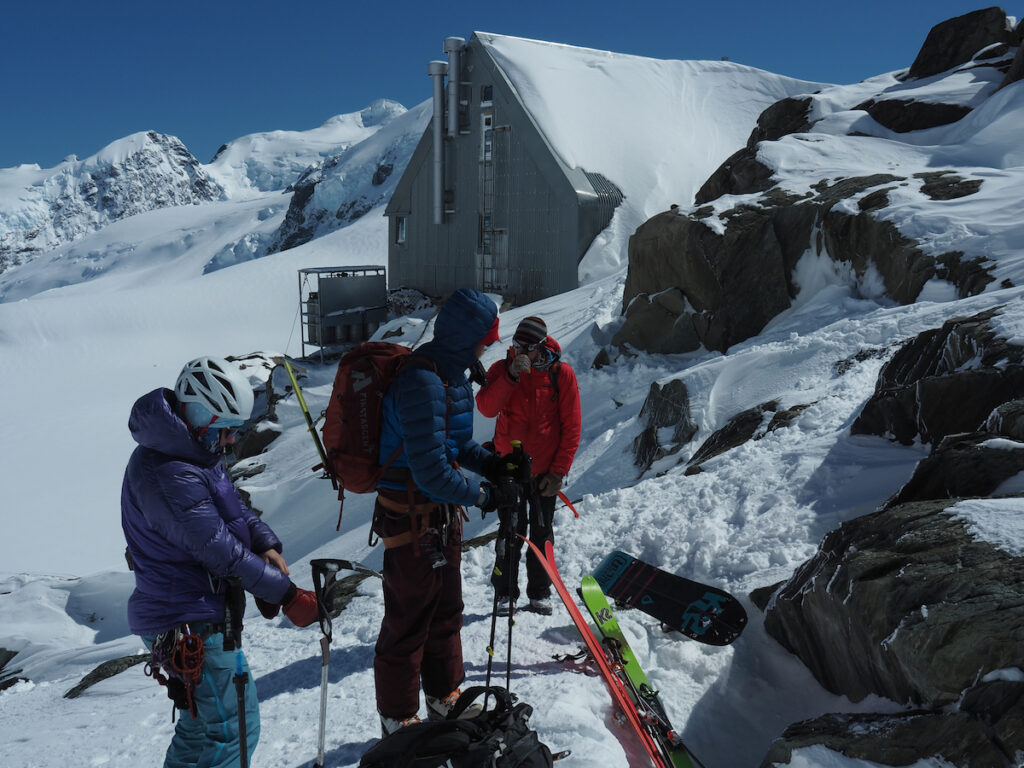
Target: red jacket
<point>529,410</point>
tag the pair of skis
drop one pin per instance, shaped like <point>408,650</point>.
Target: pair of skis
<point>631,691</point>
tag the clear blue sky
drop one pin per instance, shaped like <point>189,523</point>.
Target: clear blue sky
<point>78,74</point>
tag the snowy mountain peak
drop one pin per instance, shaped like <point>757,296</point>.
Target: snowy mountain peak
<point>272,160</point>
<point>45,208</point>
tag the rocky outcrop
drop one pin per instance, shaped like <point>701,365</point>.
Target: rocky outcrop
<point>732,283</point>
<point>719,289</point>
<point>921,612</point>
<point>741,173</point>
<point>865,243</point>
<point>961,738</point>
<point>905,116</point>
<point>925,612</point>
<point>912,628</point>
<point>315,210</point>
<point>956,41</point>
<point>667,406</point>
<point>975,464</point>
<point>1016,70</point>
<point>105,671</point>
<point>728,265</point>
<point>943,382</point>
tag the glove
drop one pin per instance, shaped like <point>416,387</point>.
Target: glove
<point>493,467</point>
<point>549,484</point>
<point>301,609</point>
<point>269,610</point>
<point>520,364</point>
<point>500,495</point>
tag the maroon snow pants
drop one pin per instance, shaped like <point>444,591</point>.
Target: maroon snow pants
<point>420,636</point>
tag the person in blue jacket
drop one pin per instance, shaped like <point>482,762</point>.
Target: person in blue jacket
<point>189,537</point>
<point>428,415</point>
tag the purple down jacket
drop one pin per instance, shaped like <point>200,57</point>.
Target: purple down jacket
<point>185,525</point>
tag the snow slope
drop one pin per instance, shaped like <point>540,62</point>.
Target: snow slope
<point>76,357</point>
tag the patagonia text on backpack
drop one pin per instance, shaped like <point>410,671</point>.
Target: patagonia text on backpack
<point>499,737</point>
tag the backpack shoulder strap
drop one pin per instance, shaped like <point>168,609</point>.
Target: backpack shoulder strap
<point>502,698</point>
<point>553,373</point>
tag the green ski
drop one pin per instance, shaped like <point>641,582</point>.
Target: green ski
<point>627,667</point>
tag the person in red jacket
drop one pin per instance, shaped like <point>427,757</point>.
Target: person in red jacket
<point>536,398</point>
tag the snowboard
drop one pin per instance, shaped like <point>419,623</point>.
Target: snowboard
<point>701,612</point>
<point>619,690</point>
<point>625,664</point>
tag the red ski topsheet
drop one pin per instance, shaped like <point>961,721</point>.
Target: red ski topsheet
<point>615,685</point>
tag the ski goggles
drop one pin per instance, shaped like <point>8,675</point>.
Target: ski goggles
<point>526,347</point>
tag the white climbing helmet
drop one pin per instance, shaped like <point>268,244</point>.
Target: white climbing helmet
<point>211,386</point>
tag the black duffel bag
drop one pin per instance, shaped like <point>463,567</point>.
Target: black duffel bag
<point>499,737</point>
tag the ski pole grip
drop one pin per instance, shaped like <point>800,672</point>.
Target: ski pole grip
<point>521,463</point>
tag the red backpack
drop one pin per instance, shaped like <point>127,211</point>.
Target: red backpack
<point>352,423</point>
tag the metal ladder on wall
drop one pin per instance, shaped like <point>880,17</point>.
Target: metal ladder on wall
<point>493,244</point>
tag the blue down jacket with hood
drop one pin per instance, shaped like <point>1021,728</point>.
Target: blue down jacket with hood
<point>186,524</point>
<point>434,433</point>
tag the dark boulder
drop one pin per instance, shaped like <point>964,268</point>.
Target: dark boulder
<point>921,609</point>
<point>1007,420</point>
<point>942,382</point>
<point>718,289</point>
<point>667,406</point>
<point>740,174</point>
<point>956,41</point>
<point>1016,71</point>
<point>963,465</point>
<point>946,185</point>
<point>105,671</point>
<point>662,323</point>
<point>960,738</point>
<point>740,428</point>
<point>904,116</point>
<point>786,116</point>
<point>732,283</point>
<point>751,424</point>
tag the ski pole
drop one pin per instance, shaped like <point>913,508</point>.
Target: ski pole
<point>501,556</point>
<point>310,425</point>
<point>234,606</point>
<point>507,530</point>
<point>241,678</point>
<point>325,574</point>
<point>522,475</point>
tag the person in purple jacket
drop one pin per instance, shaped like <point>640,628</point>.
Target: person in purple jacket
<point>190,537</point>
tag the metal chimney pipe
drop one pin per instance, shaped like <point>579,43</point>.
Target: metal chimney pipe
<point>453,47</point>
<point>437,70</point>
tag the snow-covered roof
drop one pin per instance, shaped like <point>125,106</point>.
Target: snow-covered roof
<point>657,128</point>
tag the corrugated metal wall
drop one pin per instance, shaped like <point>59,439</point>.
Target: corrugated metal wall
<point>513,223</point>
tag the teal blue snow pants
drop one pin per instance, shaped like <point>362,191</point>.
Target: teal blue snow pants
<point>211,740</point>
